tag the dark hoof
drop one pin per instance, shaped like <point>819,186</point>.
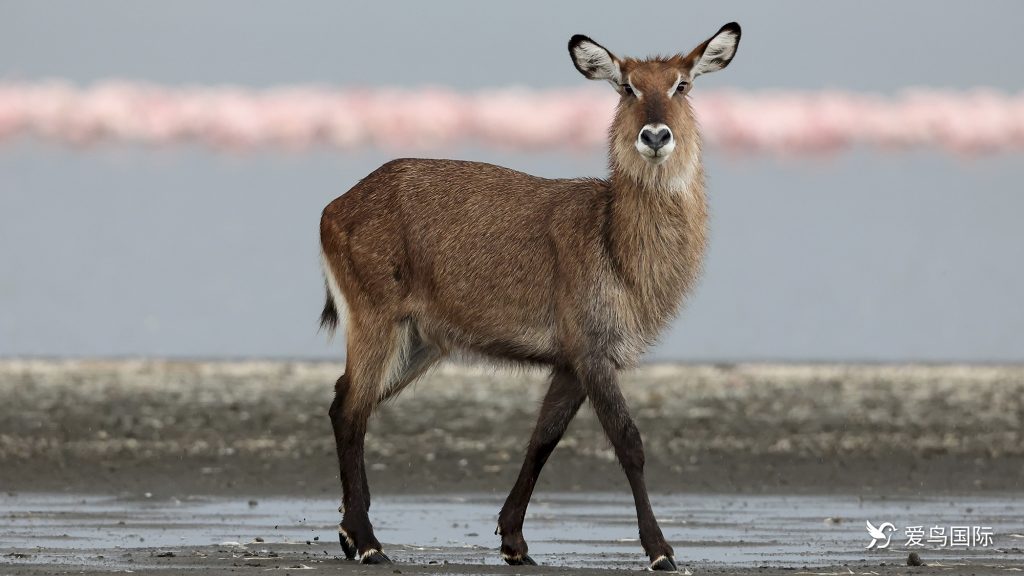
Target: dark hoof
<point>347,546</point>
<point>374,557</point>
<point>523,560</point>
<point>664,564</point>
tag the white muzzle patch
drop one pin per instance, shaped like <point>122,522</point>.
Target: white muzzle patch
<point>661,150</point>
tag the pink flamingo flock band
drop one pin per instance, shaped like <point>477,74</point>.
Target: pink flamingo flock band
<point>977,121</point>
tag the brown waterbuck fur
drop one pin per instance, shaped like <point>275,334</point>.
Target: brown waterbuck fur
<point>441,257</point>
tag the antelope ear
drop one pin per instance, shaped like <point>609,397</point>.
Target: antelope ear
<point>594,61</point>
<point>716,52</point>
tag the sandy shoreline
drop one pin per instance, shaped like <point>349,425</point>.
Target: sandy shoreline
<point>261,427</point>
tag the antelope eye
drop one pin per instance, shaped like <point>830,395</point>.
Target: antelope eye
<point>682,86</point>
<point>627,89</point>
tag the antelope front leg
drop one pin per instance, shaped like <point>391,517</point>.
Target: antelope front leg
<point>598,376</point>
<point>563,400</point>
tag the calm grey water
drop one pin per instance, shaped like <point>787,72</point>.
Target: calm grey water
<point>183,253</point>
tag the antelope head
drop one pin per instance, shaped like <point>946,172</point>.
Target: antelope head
<point>654,119</point>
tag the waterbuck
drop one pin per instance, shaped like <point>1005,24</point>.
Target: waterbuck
<point>441,257</point>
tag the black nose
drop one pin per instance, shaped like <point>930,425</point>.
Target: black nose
<point>656,140</point>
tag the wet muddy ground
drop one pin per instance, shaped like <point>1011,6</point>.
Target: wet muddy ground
<point>711,533</point>
<point>151,466</point>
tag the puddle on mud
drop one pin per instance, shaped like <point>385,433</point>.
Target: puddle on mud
<point>597,530</point>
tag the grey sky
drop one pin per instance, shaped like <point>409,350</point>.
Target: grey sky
<point>187,252</point>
